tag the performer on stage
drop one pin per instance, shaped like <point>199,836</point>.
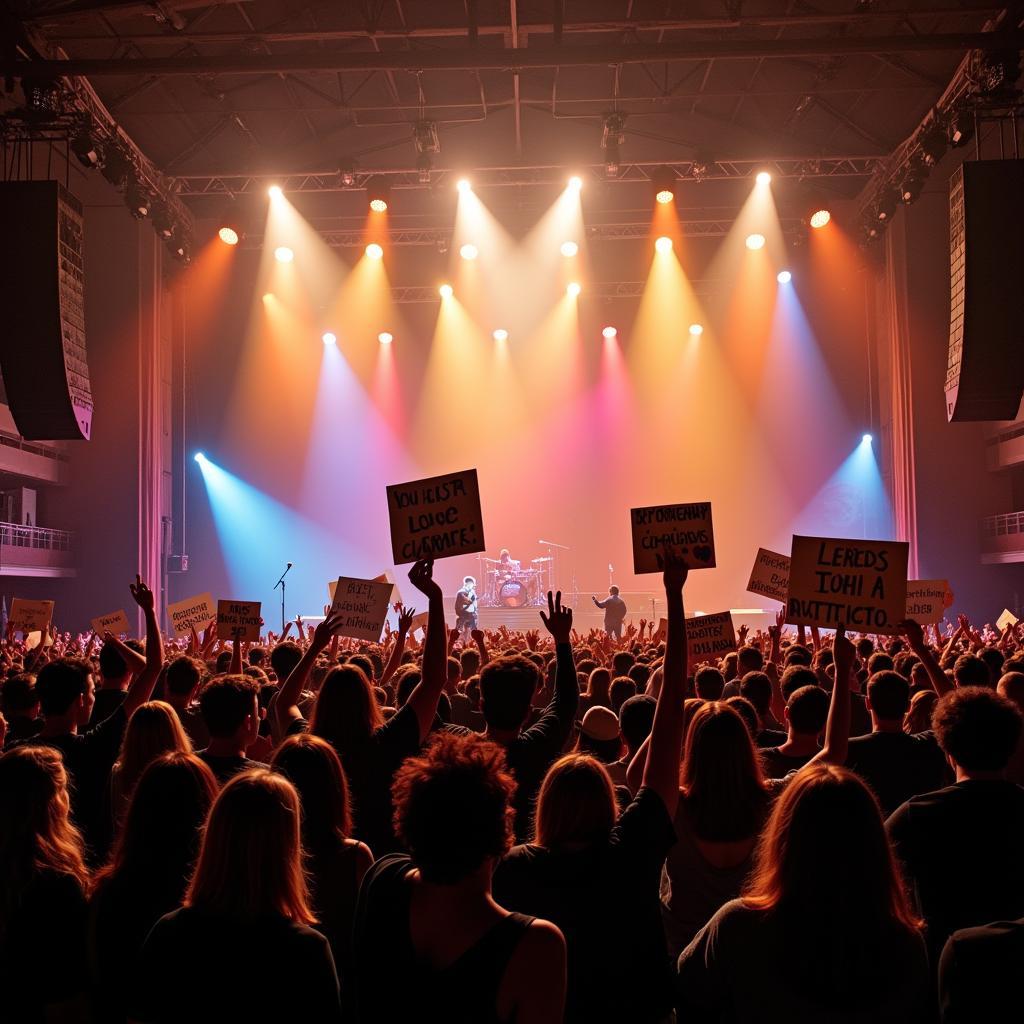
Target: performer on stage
<point>465,608</point>
<point>506,563</point>
<point>614,612</point>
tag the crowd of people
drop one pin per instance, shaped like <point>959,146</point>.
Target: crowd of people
<point>529,827</point>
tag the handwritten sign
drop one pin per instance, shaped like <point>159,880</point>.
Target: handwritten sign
<point>238,620</point>
<point>1006,619</point>
<point>384,577</point>
<point>684,527</point>
<point>363,605</point>
<point>115,623</point>
<point>436,518</point>
<point>860,584</point>
<point>926,601</point>
<point>709,637</point>
<point>419,621</point>
<point>192,613</point>
<point>29,616</point>
<point>770,575</point>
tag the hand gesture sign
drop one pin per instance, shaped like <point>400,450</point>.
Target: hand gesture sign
<point>558,620</point>
<point>421,576</point>
<point>142,594</point>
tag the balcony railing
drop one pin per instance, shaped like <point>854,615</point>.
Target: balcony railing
<point>34,551</point>
<point>1002,538</point>
<point>17,536</point>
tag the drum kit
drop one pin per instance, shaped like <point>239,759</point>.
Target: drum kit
<point>509,585</point>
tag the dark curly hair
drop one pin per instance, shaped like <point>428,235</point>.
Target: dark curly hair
<point>977,727</point>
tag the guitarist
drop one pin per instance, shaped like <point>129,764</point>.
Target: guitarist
<point>465,608</point>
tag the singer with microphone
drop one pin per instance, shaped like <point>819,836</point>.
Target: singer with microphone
<point>465,608</point>
<point>614,612</point>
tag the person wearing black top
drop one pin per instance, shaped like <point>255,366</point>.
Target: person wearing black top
<point>962,847</point>
<point>231,711</point>
<point>19,703</point>
<point>119,663</point>
<point>806,710</point>
<point>979,974</point>
<point>614,612</point>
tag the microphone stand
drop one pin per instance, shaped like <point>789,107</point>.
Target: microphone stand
<point>280,583</point>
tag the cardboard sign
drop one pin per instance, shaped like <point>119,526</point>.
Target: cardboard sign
<point>1006,619</point>
<point>859,584</point>
<point>364,606</point>
<point>29,616</point>
<point>770,575</point>
<point>926,601</point>
<point>238,620</point>
<point>384,577</point>
<point>194,612</point>
<point>685,527</point>
<point>709,637</point>
<point>419,621</point>
<point>436,518</point>
<point>115,623</point>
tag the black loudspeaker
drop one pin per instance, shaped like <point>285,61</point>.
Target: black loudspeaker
<point>42,311</point>
<point>985,370</point>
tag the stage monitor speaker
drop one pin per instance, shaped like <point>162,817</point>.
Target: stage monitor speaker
<point>985,368</point>
<point>42,311</point>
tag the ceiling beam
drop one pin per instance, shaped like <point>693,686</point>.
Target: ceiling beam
<point>503,59</point>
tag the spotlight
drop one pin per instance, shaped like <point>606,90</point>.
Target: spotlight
<point>783,277</point>
<point>912,184</point>
<point>755,241</point>
<point>275,192</point>
<point>573,290</point>
<point>163,225</point>
<point>199,457</point>
<point>86,148</point>
<point>696,330</point>
<point>763,178</point>
<point>228,235</point>
<point>609,332</point>
<point>664,196</point>
<point>576,182</point>
<point>446,291</point>
<point>569,249</point>
<point>267,296</point>
<point>463,185</point>
<point>329,338</point>
<point>385,338</point>
<point>116,166</point>
<point>961,128</point>
<point>933,144</point>
<point>663,180</point>
<point>820,218</point>
<point>612,138</point>
<point>469,252</point>
<point>885,208</point>
<point>137,199</point>
<point>283,254</point>
<point>663,244</point>
<point>866,439</point>
<point>500,334</point>
<point>348,175</point>
<point>374,251</point>
<point>378,192</point>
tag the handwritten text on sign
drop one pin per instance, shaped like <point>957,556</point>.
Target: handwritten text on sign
<point>860,584</point>
<point>29,616</point>
<point>436,518</point>
<point>770,575</point>
<point>708,637</point>
<point>192,613</point>
<point>684,527</point>
<point>363,605</point>
<point>238,620</point>
<point>115,623</point>
<point>927,600</point>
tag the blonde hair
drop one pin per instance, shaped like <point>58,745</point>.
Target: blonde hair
<point>250,860</point>
<point>153,730</point>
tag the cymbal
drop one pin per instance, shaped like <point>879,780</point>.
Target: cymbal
<point>541,559</point>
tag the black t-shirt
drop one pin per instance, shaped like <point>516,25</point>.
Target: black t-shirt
<point>605,900</point>
<point>393,983</point>
<point>897,766</point>
<point>979,974</point>
<point>198,966</point>
<point>21,728</point>
<point>770,738</point>
<point>107,702</point>
<point>963,847</point>
<point>227,766</point>
<point>778,765</point>
<point>860,717</point>
<point>42,948</point>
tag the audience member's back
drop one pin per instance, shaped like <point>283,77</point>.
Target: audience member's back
<point>979,974</point>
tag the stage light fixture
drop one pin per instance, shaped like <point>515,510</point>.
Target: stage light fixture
<point>866,439</point>
<point>783,277</point>
<point>763,178</point>
<point>613,137</point>
<point>912,184</point>
<point>199,457</point>
<point>696,330</point>
<point>569,249</point>
<point>663,244</point>
<point>664,196</point>
<point>463,185</point>
<point>329,338</point>
<point>885,207</point>
<point>820,218</point>
<point>446,291</point>
<point>137,199</point>
<point>385,337</point>
<point>228,235</point>
<point>961,128</point>
<point>374,251</point>
<point>755,242</point>
<point>88,151</point>
<point>933,144</point>
<point>500,334</point>
<point>378,192</point>
<point>609,332</point>
<point>576,182</point>
<point>663,181</point>
<point>469,252</point>
<point>283,254</point>
<point>267,296</point>
<point>573,289</point>
<point>163,225</point>
<point>116,166</point>
<point>275,192</point>
<point>348,175</point>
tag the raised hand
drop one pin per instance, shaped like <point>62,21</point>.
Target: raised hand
<point>478,636</point>
<point>326,629</point>
<point>912,631</point>
<point>421,576</point>
<point>405,617</point>
<point>142,594</point>
<point>843,649</point>
<point>742,635</point>
<point>558,620</point>
<point>674,576</point>
<point>532,636</point>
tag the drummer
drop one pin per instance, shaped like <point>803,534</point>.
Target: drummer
<point>507,564</point>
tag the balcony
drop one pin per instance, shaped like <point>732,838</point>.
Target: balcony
<point>34,551</point>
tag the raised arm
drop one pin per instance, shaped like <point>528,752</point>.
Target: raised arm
<point>424,697</point>
<point>141,688</point>
<point>837,725</point>
<point>480,639</point>
<point>136,662</point>
<point>566,698</point>
<point>405,617</point>
<point>915,638</point>
<point>285,706</point>
<point>661,771</point>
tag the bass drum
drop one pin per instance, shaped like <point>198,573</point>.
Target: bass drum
<point>512,594</point>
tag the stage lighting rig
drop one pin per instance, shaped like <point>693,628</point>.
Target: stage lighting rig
<point>913,182</point>
<point>933,144</point>
<point>347,175</point>
<point>86,147</point>
<point>613,137</point>
<point>117,165</point>
<point>137,199</point>
<point>428,145</point>
<point>663,181</point>
<point>378,192</point>
<point>960,130</point>
<point>885,208</point>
